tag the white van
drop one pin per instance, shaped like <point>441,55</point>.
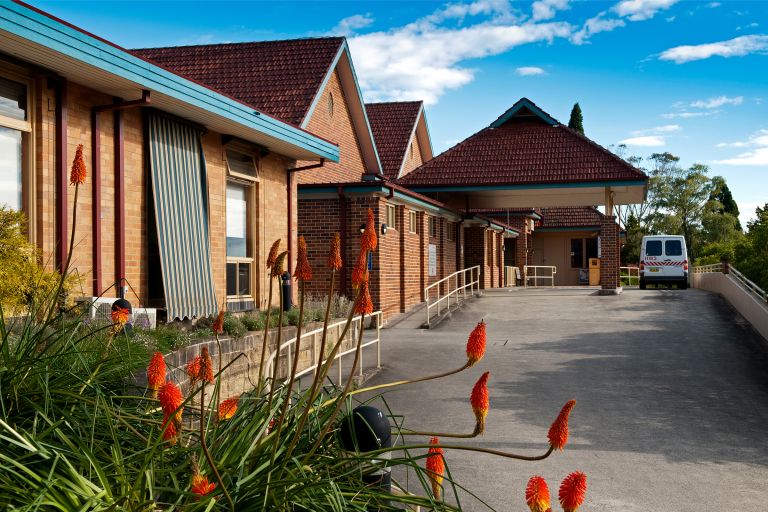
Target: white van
<point>663,260</point>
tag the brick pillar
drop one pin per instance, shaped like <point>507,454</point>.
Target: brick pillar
<point>609,256</point>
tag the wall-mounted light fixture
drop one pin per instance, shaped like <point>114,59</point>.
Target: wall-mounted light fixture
<point>362,228</point>
<point>384,229</point>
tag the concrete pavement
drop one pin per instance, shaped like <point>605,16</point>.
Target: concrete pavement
<point>672,391</point>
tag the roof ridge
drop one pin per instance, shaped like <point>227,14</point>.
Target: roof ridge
<point>242,43</point>
<point>601,148</point>
<point>408,102</point>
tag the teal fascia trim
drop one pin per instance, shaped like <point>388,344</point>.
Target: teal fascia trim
<point>347,189</point>
<point>424,204</point>
<point>524,103</point>
<point>319,92</point>
<point>473,188</point>
<point>38,28</point>
<point>553,230</point>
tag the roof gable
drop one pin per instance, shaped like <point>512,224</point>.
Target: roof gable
<point>524,109</point>
<point>394,126</point>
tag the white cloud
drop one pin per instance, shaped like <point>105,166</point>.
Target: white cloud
<point>646,141</point>
<point>751,25</point>
<point>689,115</point>
<point>667,128</point>
<point>348,26</point>
<point>499,9</point>
<point>529,71</point>
<point>595,25</point>
<point>737,47</point>
<point>718,102</point>
<point>758,156</point>
<point>423,60</point>
<point>639,10</point>
<point>713,5</point>
<point>546,9</point>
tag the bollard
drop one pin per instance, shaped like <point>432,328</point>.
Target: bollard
<point>287,302</point>
<point>365,430</point>
<point>122,303</point>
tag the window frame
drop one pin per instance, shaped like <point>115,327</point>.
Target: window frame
<point>18,74</point>
<point>392,217</point>
<point>413,222</point>
<point>450,231</point>
<point>246,152</point>
<point>432,224</point>
<point>250,198</point>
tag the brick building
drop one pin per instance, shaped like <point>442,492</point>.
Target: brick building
<point>186,189</point>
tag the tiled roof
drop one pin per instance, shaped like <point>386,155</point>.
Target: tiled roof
<point>523,151</point>
<point>392,124</point>
<point>280,78</point>
<point>570,217</point>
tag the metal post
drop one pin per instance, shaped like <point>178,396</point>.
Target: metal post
<point>378,340</point>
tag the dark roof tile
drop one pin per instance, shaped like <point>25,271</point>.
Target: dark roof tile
<point>392,124</point>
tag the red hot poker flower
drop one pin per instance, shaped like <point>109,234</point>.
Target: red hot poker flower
<point>78,174</point>
<point>572,491</point>
<point>558,432</point>
<point>360,271</point>
<point>279,267</point>
<point>480,402</point>
<point>537,495</point>
<point>206,366</point>
<point>156,373</point>
<point>201,486</point>
<point>273,253</point>
<point>334,254</point>
<point>193,370</point>
<point>218,324</point>
<point>476,344</point>
<point>435,466</point>
<point>369,241</point>
<point>171,431</point>
<point>120,316</point>
<point>228,408</point>
<point>364,304</point>
<point>303,270</point>
<point>170,400</point>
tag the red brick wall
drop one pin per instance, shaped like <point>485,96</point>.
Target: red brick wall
<point>412,156</point>
<point>609,254</point>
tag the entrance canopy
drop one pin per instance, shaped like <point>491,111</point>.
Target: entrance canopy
<point>526,158</point>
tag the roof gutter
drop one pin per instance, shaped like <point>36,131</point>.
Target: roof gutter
<point>290,206</point>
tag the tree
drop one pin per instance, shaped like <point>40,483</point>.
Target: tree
<point>722,194</point>
<point>576,123</point>
<point>752,255</point>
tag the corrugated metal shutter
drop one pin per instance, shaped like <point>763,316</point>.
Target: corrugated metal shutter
<point>179,185</point>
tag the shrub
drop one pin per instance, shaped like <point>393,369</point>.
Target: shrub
<point>169,337</point>
<point>253,321</point>
<point>234,327</point>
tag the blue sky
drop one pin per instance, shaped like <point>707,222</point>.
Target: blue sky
<point>686,77</point>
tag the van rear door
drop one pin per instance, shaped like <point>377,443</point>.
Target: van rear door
<point>665,258</point>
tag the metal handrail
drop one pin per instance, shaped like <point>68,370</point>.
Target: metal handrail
<point>536,276</point>
<point>468,277</point>
<point>743,280</point>
<point>632,273</point>
<point>319,359</point>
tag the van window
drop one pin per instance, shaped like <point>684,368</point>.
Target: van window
<point>673,248</point>
<point>653,248</point>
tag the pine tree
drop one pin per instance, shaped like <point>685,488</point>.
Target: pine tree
<point>576,123</point>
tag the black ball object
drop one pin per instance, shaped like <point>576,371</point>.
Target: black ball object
<point>366,429</point>
<point>122,303</point>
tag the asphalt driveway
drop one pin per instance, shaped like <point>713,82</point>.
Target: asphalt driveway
<point>672,392</point>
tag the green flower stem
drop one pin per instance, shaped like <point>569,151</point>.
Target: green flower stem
<point>314,388</point>
<point>530,458</point>
<point>276,364</point>
<point>264,341</point>
<point>207,453</point>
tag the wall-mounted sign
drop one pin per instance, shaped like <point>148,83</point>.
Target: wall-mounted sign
<point>432,260</point>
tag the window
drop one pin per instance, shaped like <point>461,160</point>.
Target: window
<point>673,248</point>
<point>240,163</point>
<point>410,151</point>
<point>239,256</point>
<point>330,105</point>
<point>451,232</point>
<point>653,248</point>
<point>391,216</point>
<point>15,132</point>
<point>577,253</point>
<point>412,221</point>
<point>433,226</point>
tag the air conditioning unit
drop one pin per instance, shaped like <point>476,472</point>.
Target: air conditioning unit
<point>99,309</point>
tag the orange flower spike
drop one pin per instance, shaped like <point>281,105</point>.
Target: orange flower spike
<point>369,241</point>
<point>228,408</point>
<point>303,270</point>
<point>171,432</point>
<point>120,316</point>
<point>206,366</point>
<point>279,267</point>
<point>360,271</point>
<point>193,370</point>
<point>476,344</point>
<point>479,401</point>
<point>78,174</point>
<point>537,495</point>
<point>364,304</point>
<point>435,466</point>
<point>273,253</point>
<point>170,400</point>
<point>218,324</point>
<point>334,254</point>
<point>572,491</point>
<point>558,432</point>
<point>201,486</point>
<point>156,373</point>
